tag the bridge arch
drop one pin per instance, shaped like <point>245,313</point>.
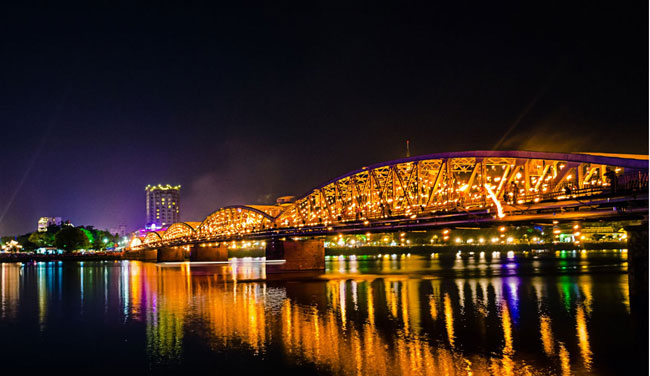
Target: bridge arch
<point>136,242</point>
<point>237,220</point>
<point>180,230</point>
<point>152,237</point>
<point>455,181</point>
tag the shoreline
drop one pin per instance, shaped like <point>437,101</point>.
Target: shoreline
<point>28,257</point>
<point>336,251</point>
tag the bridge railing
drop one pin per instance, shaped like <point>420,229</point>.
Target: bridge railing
<point>625,184</point>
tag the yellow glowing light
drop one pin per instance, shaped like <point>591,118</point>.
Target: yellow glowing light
<point>495,200</point>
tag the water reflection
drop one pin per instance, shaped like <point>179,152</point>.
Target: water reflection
<point>9,290</point>
<point>385,316</point>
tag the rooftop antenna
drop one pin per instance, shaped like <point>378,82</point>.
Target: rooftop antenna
<point>408,149</point>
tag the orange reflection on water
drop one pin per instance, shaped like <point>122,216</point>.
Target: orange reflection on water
<point>583,337</point>
<point>449,320</point>
<point>371,304</point>
<point>564,360</point>
<point>546,334</point>
<point>432,308</point>
<point>585,284</point>
<point>9,289</point>
<point>508,350</point>
<point>360,324</point>
<point>324,332</point>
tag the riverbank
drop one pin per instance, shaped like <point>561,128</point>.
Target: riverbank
<point>429,249</point>
<point>30,257</point>
<point>335,251</point>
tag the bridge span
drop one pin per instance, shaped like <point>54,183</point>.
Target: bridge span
<point>478,188</point>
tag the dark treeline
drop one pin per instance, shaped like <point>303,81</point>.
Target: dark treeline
<point>65,237</point>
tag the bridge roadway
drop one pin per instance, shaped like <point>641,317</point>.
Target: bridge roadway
<point>481,188</point>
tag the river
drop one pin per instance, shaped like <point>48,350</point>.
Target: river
<point>518,313</point>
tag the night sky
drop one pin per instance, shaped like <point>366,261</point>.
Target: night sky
<point>241,105</point>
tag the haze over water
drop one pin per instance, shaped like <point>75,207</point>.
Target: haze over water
<point>501,314</point>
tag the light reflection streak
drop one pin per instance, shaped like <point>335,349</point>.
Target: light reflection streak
<point>42,296</point>
<point>81,284</point>
<point>565,362</point>
<point>405,308</point>
<point>371,304</point>
<point>10,288</point>
<point>432,307</point>
<point>546,334</point>
<point>449,320</point>
<point>584,284</point>
<point>508,349</point>
<point>583,337</point>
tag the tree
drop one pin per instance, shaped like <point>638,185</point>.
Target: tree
<point>41,239</point>
<point>101,239</point>
<point>70,239</point>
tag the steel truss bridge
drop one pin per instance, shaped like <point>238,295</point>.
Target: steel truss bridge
<point>438,190</point>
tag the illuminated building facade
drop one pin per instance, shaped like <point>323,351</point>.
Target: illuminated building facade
<point>163,205</point>
<point>44,222</point>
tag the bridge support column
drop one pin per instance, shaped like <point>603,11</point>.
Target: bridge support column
<point>148,255</point>
<point>299,255</point>
<point>131,255</point>
<point>218,253</point>
<point>171,254</point>
<point>637,266</point>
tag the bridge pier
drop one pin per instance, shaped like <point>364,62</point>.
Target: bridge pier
<point>148,255</point>
<point>210,253</point>
<point>637,266</point>
<point>171,254</point>
<point>131,255</point>
<point>299,255</point>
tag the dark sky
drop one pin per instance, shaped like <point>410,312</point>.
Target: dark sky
<point>241,105</point>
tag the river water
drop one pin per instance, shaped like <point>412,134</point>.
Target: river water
<point>546,312</point>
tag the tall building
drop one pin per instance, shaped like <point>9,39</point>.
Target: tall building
<point>44,222</point>
<point>120,230</point>
<point>163,205</point>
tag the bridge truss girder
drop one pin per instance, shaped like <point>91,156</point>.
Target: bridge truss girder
<point>419,187</point>
<point>494,183</point>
